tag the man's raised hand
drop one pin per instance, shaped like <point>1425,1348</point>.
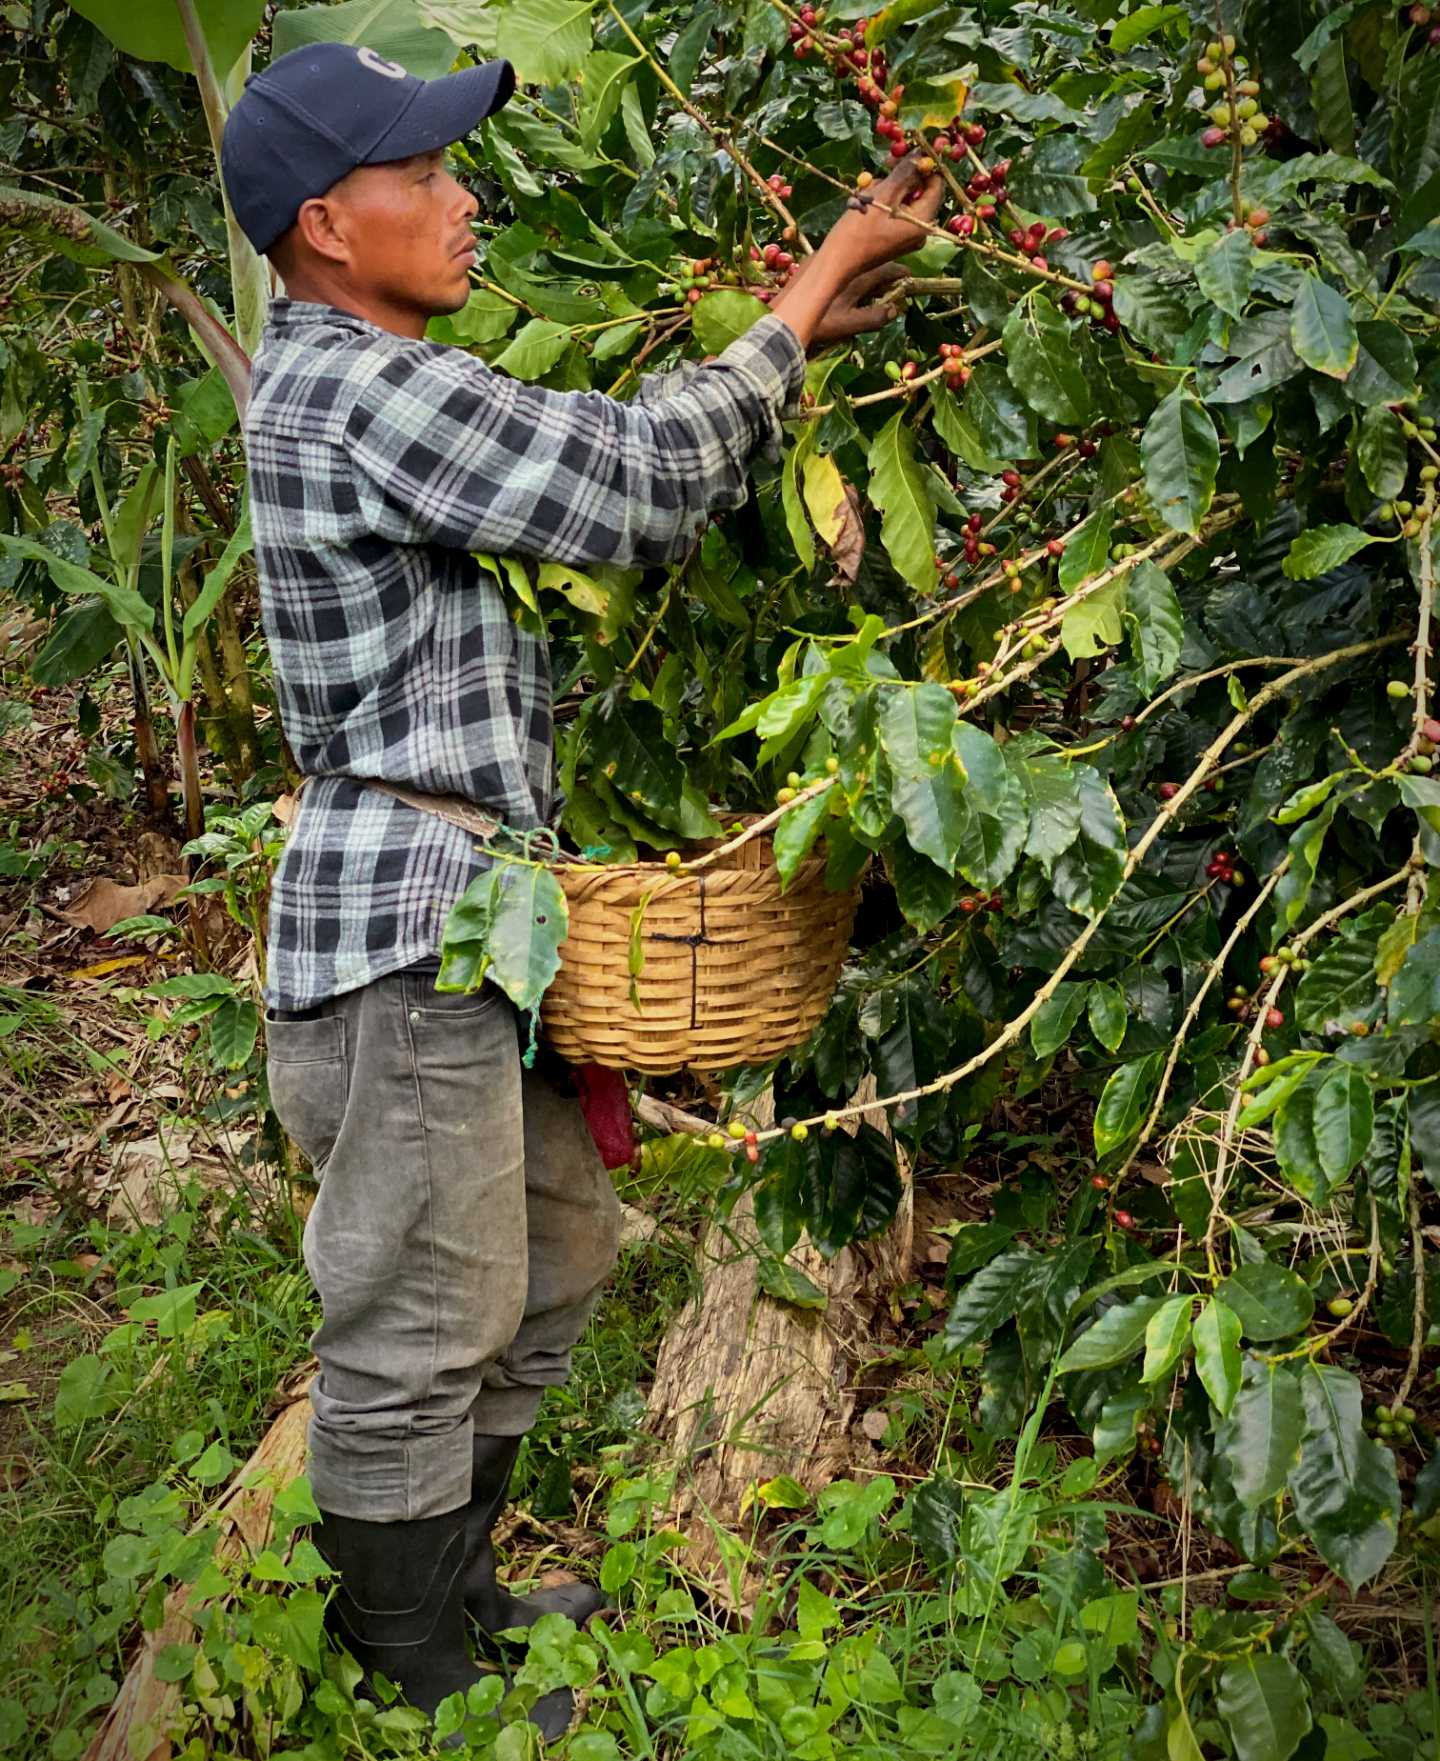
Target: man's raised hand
<point>888,219</point>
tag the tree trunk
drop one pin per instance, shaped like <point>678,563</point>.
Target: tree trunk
<point>748,1388</point>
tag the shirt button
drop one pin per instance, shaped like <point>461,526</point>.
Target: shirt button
<point>414,1014</point>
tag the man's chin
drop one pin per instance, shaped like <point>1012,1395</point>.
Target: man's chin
<point>453,301</point>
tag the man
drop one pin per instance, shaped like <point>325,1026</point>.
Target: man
<point>464,1221</point>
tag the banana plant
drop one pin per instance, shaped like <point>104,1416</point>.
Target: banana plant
<point>168,642</point>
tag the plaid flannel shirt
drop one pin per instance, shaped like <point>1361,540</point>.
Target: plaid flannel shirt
<point>376,465</point>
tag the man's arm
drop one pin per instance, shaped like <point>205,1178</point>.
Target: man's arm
<point>447,452</point>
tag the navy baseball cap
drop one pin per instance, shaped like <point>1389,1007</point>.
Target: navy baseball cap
<point>311,117</point>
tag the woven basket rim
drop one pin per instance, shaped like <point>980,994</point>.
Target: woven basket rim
<point>701,847</point>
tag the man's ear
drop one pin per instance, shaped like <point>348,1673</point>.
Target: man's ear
<point>320,227</point>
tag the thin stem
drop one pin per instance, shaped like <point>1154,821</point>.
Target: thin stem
<point>654,626</point>
<point>909,386</point>
<point>1319,1342</point>
<point>1415,887</point>
<point>167,568</point>
<point>1054,619</point>
<point>1427,605</point>
<point>662,334</point>
<point>758,830</point>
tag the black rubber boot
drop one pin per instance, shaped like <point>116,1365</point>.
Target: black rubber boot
<point>400,1609</point>
<point>488,1603</point>
<point>400,1603</point>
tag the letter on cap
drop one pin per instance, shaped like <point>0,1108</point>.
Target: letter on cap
<point>377,64</point>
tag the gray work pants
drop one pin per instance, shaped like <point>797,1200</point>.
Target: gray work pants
<point>463,1228</point>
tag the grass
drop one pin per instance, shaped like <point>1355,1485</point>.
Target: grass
<point>67,1630</point>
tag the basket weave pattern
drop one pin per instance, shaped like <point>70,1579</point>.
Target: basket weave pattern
<point>734,971</point>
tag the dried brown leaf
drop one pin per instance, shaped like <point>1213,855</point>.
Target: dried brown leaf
<point>849,545</point>
<point>102,903</point>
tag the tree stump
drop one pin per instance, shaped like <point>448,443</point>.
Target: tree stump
<point>748,1388</point>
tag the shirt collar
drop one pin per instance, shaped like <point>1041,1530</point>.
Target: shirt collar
<point>286,315</point>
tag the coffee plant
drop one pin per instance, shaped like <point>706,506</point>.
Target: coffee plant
<point>1087,616</point>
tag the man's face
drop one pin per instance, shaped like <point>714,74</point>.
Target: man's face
<point>406,232</point>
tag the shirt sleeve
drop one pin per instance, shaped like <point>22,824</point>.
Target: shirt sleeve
<point>446,451</point>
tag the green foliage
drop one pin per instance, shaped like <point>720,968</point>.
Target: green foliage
<point>1170,762</point>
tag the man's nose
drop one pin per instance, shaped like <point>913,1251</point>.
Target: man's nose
<point>469,203</point>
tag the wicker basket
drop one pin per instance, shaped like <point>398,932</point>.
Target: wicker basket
<point>734,971</point>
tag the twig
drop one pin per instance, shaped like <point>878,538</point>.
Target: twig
<point>759,828</point>
<point>1165,547</point>
<point>1061,461</point>
<point>655,623</point>
<point>664,1116</point>
<point>653,342</point>
<point>1422,634</point>
<point>1191,680</point>
<point>1319,1342</point>
<point>908,387</point>
<point>1146,553</point>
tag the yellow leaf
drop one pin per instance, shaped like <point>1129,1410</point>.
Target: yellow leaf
<point>580,589</point>
<point>520,583</point>
<point>783,1493</point>
<point>101,967</point>
<point>513,573</point>
<point>1395,943</point>
<point>824,490</point>
<point>938,118</point>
